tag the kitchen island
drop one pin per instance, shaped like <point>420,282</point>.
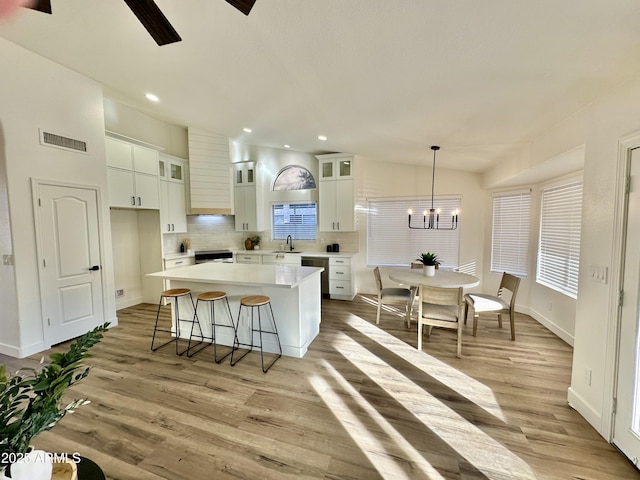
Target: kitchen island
<point>294,292</point>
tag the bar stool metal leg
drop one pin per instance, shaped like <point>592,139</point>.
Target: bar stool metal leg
<point>212,298</point>
<point>173,294</point>
<point>255,302</point>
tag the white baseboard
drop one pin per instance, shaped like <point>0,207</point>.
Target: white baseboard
<point>128,302</point>
<point>23,352</point>
<point>540,318</point>
<point>583,408</point>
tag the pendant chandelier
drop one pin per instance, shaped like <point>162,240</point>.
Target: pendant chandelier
<point>431,217</point>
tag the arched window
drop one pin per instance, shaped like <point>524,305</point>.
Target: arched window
<point>294,177</point>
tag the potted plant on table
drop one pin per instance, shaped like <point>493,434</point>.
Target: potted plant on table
<point>430,262</point>
<point>30,403</point>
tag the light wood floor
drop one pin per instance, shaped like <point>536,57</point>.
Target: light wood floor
<point>362,404</point>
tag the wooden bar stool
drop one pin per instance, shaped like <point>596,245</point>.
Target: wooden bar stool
<point>172,295</point>
<point>212,298</point>
<point>254,302</point>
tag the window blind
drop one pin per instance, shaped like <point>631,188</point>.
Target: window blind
<point>296,219</point>
<point>390,242</point>
<point>510,233</point>
<point>559,245</point>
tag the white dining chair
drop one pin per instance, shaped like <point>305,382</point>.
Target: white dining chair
<point>393,296</point>
<point>440,307</point>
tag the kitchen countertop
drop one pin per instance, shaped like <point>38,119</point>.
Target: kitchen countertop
<point>286,276</point>
<point>302,253</point>
<point>173,256</point>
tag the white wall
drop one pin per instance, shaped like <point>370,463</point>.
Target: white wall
<point>122,119</point>
<point>384,179</point>
<point>599,127</point>
<point>126,257</point>
<point>42,94</point>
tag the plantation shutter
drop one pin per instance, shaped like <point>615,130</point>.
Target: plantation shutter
<point>559,245</point>
<point>510,233</point>
<point>296,219</point>
<point>390,242</point>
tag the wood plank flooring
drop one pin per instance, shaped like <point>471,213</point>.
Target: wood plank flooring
<point>362,404</point>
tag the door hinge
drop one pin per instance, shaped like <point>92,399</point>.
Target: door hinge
<point>48,321</point>
<point>39,202</point>
<point>44,262</point>
<point>621,298</point>
<point>627,185</point>
<point>615,405</point>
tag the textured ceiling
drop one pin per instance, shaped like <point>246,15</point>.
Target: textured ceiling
<point>380,78</point>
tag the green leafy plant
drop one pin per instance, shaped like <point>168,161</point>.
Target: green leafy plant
<point>30,401</point>
<point>255,240</point>
<point>428,258</point>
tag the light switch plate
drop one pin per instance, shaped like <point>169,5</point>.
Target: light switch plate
<point>598,273</point>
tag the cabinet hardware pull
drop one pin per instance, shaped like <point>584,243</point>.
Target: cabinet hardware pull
<point>139,201</point>
<point>133,201</point>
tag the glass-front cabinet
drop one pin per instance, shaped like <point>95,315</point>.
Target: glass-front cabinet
<point>336,168</point>
<point>244,173</point>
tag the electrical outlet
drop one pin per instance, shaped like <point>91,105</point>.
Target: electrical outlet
<point>120,292</point>
<point>7,259</point>
<point>587,376</point>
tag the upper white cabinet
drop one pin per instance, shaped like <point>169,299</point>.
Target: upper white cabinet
<point>335,194</point>
<point>173,210</point>
<point>132,175</point>
<point>248,198</point>
<point>334,167</point>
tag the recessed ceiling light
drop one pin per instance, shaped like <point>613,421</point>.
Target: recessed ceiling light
<point>322,137</point>
<point>247,130</point>
<point>152,97</point>
<point>286,146</point>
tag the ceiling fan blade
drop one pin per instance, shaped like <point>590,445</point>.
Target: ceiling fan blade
<point>41,6</point>
<point>244,6</point>
<point>154,21</point>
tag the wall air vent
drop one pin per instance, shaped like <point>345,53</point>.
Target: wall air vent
<point>58,141</point>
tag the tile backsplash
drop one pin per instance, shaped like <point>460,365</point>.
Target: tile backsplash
<point>217,232</point>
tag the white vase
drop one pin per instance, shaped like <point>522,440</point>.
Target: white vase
<point>35,465</point>
<point>429,270</point>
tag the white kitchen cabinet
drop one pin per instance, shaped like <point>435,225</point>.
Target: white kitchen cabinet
<point>178,262</point>
<point>248,199</point>
<point>173,203</point>
<point>244,173</point>
<point>341,279</point>
<point>281,259</point>
<point>335,166</point>
<point>173,216</point>
<point>336,193</point>
<point>132,175</point>
<point>132,189</point>
<point>248,258</point>
<point>336,206</point>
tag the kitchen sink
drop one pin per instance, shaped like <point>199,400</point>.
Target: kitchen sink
<point>286,251</point>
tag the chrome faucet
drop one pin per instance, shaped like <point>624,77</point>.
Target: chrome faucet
<point>290,243</point>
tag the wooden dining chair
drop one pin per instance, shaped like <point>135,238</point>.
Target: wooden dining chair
<point>440,307</point>
<point>393,296</point>
<point>498,304</point>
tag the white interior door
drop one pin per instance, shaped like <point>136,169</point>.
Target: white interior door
<point>70,263</point>
<point>626,434</point>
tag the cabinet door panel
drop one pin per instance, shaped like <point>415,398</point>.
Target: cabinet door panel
<point>344,205</point>
<point>177,207</point>
<point>145,160</point>
<point>119,154</point>
<point>327,206</point>
<point>121,188</point>
<point>147,191</point>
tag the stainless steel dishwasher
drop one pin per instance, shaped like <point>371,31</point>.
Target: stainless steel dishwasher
<point>324,276</point>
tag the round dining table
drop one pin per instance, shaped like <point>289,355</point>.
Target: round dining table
<point>442,278</point>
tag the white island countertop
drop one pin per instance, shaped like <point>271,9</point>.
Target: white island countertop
<point>286,276</point>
